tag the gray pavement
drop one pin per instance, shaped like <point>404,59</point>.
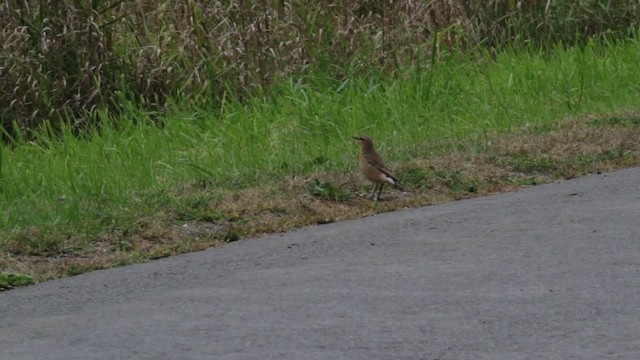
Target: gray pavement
<point>547,272</point>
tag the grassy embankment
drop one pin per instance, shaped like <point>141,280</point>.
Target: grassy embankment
<point>461,128</point>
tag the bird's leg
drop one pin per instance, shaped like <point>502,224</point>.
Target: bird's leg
<point>380,191</point>
<point>375,187</point>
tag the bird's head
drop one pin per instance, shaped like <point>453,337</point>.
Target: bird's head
<point>365,141</point>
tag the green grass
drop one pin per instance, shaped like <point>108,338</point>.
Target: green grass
<point>10,280</point>
<point>59,195</point>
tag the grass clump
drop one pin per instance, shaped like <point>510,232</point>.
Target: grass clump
<point>10,280</point>
<point>416,177</point>
<point>328,191</point>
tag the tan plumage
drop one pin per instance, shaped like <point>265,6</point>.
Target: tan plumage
<point>372,166</point>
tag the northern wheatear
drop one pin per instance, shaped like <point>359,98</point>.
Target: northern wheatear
<point>373,168</point>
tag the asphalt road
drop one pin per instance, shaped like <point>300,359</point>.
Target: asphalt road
<point>547,272</point>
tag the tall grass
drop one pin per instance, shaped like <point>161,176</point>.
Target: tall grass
<point>71,190</point>
<point>69,61</point>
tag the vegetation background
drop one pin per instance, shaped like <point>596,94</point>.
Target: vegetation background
<point>133,130</point>
<point>66,61</point>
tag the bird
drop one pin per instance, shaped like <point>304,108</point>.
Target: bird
<point>373,168</point>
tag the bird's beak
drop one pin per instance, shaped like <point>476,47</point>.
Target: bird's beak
<point>355,137</point>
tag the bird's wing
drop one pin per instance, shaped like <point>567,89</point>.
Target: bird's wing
<point>374,160</point>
